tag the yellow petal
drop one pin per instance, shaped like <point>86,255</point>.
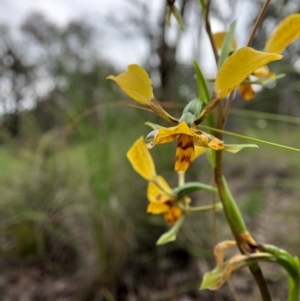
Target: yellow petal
<point>238,67</point>
<point>157,195</point>
<point>246,91</point>
<point>173,214</point>
<point>208,140</point>
<point>165,135</point>
<point>141,160</point>
<point>202,138</point>
<point>135,82</point>
<point>199,150</point>
<point>157,208</point>
<point>219,38</point>
<point>287,31</point>
<point>263,71</point>
<point>220,248</point>
<point>216,144</point>
<point>185,152</point>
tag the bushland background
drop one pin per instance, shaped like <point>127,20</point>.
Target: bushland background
<point>73,224</point>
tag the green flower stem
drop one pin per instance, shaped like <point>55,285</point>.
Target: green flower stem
<point>181,178</point>
<point>181,182</point>
<point>253,139</point>
<point>234,217</point>
<point>170,193</point>
<point>237,224</point>
<point>184,189</point>
<point>233,212</point>
<point>293,290</point>
<point>217,207</point>
<point>291,265</point>
<point>203,5</point>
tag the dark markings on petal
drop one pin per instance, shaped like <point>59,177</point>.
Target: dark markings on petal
<point>187,145</point>
<point>169,203</point>
<point>158,197</point>
<point>186,158</point>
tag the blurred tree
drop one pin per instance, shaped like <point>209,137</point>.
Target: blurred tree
<point>55,72</point>
<point>15,76</point>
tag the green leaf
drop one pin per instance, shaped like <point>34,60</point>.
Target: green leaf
<point>191,187</point>
<point>214,279</point>
<point>285,259</point>
<point>290,264</point>
<point>154,126</point>
<point>235,148</point>
<point>171,234</point>
<point>168,16</point>
<point>177,16</point>
<point>203,5</point>
<point>226,48</point>
<point>203,92</point>
<point>211,279</point>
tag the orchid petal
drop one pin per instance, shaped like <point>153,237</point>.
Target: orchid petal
<point>199,150</point>
<point>173,214</point>
<point>157,208</point>
<point>238,67</point>
<point>165,135</point>
<point>246,91</point>
<point>263,71</point>
<point>158,194</point>
<point>135,82</point>
<point>284,34</point>
<point>141,160</point>
<point>185,152</point>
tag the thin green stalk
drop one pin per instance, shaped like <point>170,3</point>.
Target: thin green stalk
<point>264,115</point>
<point>290,264</point>
<point>253,139</point>
<point>232,212</point>
<point>237,224</point>
<point>294,290</point>
<point>181,178</point>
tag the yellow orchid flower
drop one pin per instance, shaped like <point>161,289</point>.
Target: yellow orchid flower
<point>136,83</point>
<point>187,137</point>
<point>161,201</point>
<point>160,195</point>
<point>244,89</point>
<point>284,34</point>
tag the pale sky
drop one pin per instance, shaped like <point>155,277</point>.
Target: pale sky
<point>118,49</point>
